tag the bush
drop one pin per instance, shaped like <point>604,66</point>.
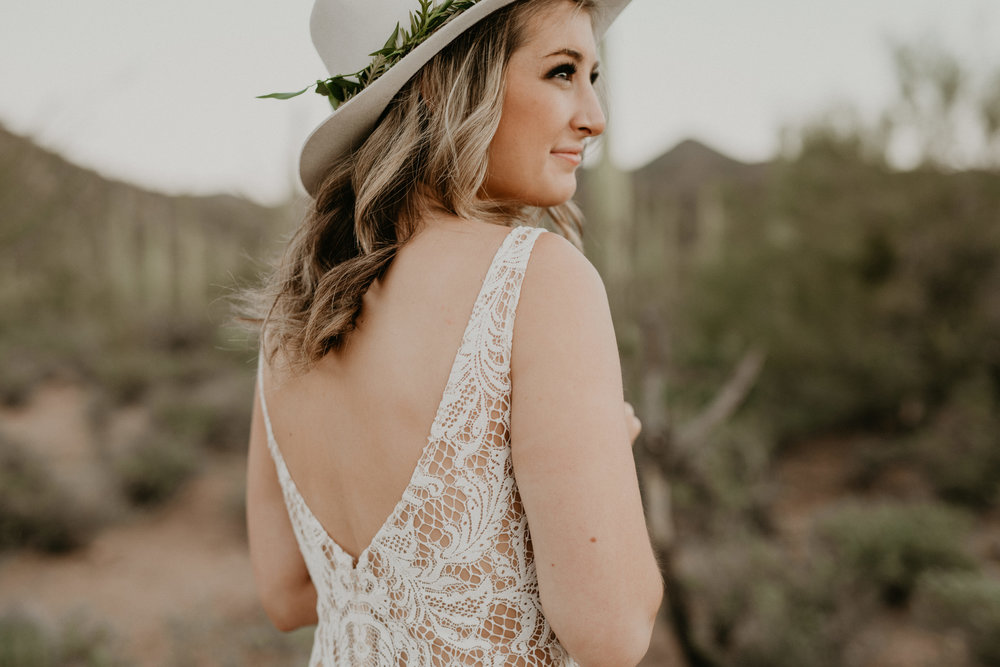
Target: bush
<point>789,627</point>
<point>753,609</point>
<point>218,421</point>
<point>889,547</point>
<point>34,511</point>
<point>872,291</point>
<point>969,601</point>
<point>16,384</point>
<point>733,469</point>
<point>24,642</point>
<point>252,640</point>
<point>126,375</point>
<point>960,452</point>
<point>155,468</point>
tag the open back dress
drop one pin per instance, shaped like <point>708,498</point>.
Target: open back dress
<point>449,578</point>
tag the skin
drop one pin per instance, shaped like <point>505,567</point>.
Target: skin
<point>550,110</point>
<point>571,430</point>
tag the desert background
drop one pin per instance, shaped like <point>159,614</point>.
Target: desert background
<point>812,341</point>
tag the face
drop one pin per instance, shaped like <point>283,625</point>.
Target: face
<point>550,108</point>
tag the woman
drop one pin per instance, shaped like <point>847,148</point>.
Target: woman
<point>414,549</point>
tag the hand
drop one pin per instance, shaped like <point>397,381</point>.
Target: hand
<point>632,423</point>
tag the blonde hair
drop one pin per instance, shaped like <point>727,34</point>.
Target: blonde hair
<point>431,144</point>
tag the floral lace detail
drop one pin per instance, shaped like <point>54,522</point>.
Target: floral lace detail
<point>449,578</point>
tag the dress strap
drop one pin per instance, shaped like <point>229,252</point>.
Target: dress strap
<point>514,263</point>
<point>260,391</point>
<point>272,446</point>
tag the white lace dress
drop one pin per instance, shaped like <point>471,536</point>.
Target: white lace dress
<point>449,578</point>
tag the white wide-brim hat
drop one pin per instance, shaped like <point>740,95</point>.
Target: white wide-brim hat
<point>347,32</point>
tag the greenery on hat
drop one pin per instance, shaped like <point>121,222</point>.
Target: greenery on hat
<point>423,23</point>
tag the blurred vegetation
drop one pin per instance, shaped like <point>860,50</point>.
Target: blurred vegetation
<point>153,469</point>
<point>967,601</point>
<point>124,292</point>
<point>827,296</point>
<point>871,292</point>
<point>888,547</point>
<point>35,511</point>
<point>874,292</point>
<point>76,642</point>
<point>959,450</point>
<point>755,608</point>
<point>250,641</point>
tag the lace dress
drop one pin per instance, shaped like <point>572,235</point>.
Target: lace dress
<point>449,578</point>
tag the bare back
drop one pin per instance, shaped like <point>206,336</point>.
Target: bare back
<point>352,435</point>
<point>353,428</point>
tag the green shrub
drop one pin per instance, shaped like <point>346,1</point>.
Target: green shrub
<point>16,384</point>
<point>131,369</point>
<point>188,420</point>
<point>888,547</point>
<point>126,375</point>
<point>218,421</point>
<point>752,608</point>
<point>969,601</point>
<point>960,451</point>
<point>154,469</point>
<point>789,627</point>
<point>252,640</point>
<point>34,511</point>
<point>25,642</point>
<point>871,289</point>
<point>734,469</point>
<point>25,366</point>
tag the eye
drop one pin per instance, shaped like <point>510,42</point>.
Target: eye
<point>594,76</point>
<point>564,72</point>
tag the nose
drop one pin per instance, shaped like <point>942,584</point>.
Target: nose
<point>589,119</point>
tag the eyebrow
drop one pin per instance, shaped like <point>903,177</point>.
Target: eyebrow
<point>572,53</point>
<point>575,55</point>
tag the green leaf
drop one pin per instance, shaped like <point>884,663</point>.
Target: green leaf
<point>423,23</point>
<point>391,42</point>
<point>325,87</point>
<point>282,96</point>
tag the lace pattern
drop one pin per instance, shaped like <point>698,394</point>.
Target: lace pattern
<point>449,578</point>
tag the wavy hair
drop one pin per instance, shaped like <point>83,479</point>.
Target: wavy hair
<point>430,145</point>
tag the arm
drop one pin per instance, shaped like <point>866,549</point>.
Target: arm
<point>286,591</point>
<point>598,579</point>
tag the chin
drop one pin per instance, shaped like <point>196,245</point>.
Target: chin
<point>543,194</point>
<point>554,196</point>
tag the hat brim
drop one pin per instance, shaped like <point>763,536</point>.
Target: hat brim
<point>345,129</point>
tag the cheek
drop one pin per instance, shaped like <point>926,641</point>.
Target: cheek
<point>525,114</point>
<point>516,146</point>
<point>520,151</point>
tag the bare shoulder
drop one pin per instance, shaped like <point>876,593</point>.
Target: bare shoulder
<point>561,290</point>
<point>555,262</point>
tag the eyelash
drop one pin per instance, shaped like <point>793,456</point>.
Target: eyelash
<point>570,70</point>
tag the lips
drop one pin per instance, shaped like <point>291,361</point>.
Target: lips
<point>572,155</point>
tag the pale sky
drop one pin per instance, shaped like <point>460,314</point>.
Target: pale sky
<point>162,93</point>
